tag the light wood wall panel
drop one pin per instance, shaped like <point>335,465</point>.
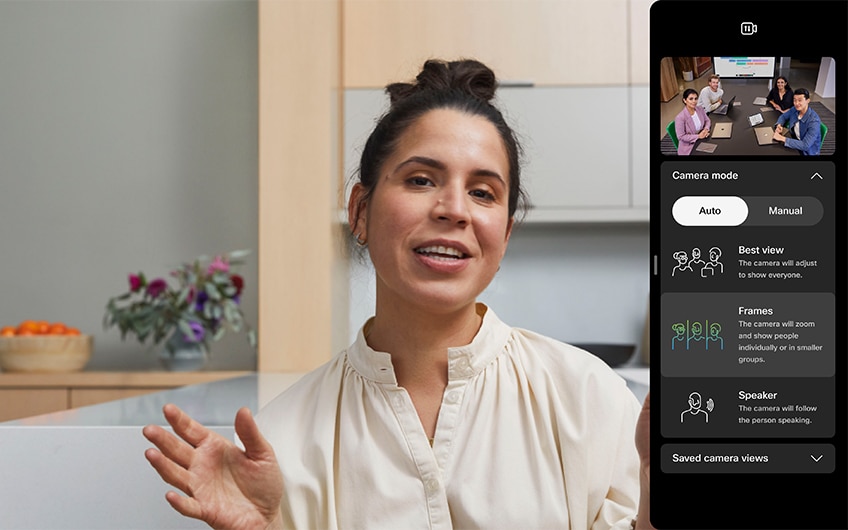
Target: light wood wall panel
<point>303,298</point>
<point>548,42</point>
<point>640,42</point>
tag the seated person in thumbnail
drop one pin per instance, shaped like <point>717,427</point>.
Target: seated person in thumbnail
<point>710,97</point>
<point>800,127</point>
<point>780,96</point>
<point>691,124</point>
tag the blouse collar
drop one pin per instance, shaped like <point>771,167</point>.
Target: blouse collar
<point>464,362</point>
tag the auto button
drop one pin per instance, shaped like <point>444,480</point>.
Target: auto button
<point>694,210</point>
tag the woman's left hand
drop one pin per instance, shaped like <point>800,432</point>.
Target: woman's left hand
<point>643,447</point>
<point>643,433</point>
<point>224,486</point>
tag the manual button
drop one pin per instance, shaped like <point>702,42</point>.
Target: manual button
<point>784,211</point>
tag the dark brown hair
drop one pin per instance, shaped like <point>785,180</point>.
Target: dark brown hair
<point>801,92</point>
<point>688,92</point>
<point>465,85</point>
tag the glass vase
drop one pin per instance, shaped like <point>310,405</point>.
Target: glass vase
<point>181,355</point>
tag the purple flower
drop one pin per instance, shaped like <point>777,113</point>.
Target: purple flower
<point>202,297</point>
<point>197,332</point>
<point>135,282</point>
<point>156,287</point>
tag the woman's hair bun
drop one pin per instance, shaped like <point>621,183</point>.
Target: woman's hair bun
<point>466,75</point>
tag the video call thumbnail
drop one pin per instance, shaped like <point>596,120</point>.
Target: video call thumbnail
<point>748,106</point>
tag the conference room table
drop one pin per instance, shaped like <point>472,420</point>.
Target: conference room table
<point>743,139</point>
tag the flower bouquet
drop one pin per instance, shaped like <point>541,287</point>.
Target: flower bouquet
<point>198,306</point>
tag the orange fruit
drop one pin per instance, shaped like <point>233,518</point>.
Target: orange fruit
<point>25,333</point>
<point>58,328</point>
<point>43,327</point>
<point>28,327</point>
<point>72,331</point>
<point>7,331</point>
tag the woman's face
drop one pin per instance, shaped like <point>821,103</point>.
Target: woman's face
<point>691,101</point>
<point>781,84</point>
<point>437,221</point>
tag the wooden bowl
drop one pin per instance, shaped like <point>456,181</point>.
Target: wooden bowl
<point>45,353</point>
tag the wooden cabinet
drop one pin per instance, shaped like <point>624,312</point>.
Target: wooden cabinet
<point>701,65</point>
<point>30,394</point>
<point>641,143</point>
<point>547,42</point>
<point>640,40</point>
<point>22,402</point>
<point>583,89</point>
<point>668,79</point>
<point>577,169</point>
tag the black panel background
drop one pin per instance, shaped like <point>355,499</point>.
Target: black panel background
<point>784,28</point>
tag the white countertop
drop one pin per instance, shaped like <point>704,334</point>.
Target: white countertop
<point>215,404</point>
<point>85,468</point>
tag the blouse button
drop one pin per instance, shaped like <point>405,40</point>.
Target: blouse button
<point>463,366</point>
<point>432,485</point>
<point>453,397</point>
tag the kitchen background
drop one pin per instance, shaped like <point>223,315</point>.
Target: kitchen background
<point>128,144</point>
<point>130,139</point>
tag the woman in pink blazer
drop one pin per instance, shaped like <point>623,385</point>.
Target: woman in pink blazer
<point>692,124</point>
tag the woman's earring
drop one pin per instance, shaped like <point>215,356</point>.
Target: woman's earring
<point>359,241</point>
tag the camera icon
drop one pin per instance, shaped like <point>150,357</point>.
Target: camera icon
<point>748,28</point>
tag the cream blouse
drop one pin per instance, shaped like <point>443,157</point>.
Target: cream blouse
<point>532,433</point>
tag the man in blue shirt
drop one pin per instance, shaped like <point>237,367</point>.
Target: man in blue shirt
<point>802,122</point>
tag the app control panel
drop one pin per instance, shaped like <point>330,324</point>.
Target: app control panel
<point>749,283</point>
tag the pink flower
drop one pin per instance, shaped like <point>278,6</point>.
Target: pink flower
<point>156,287</point>
<point>218,264</point>
<point>135,282</point>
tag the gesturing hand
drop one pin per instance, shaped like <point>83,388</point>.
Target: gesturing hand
<point>224,486</point>
<point>643,433</point>
<point>643,447</point>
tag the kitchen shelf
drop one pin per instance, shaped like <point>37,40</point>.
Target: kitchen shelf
<point>25,394</point>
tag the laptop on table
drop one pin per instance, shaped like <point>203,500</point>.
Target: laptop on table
<point>722,129</point>
<point>724,107</point>
<point>765,135</point>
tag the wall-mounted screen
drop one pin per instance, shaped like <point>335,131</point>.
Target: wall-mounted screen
<point>744,66</point>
